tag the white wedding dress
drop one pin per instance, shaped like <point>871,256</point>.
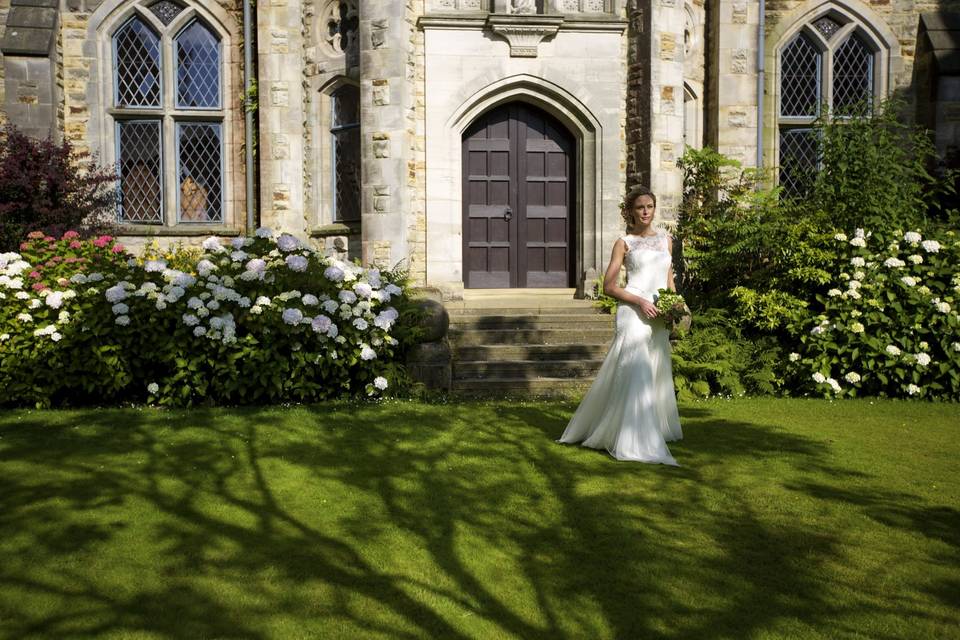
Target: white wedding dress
<point>631,409</point>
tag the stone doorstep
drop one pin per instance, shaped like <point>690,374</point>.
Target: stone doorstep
<point>536,352</point>
<point>526,369</point>
<point>558,321</point>
<point>570,337</point>
<point>513,387</point>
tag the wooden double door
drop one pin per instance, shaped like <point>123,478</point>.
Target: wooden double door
<point>518,168</point>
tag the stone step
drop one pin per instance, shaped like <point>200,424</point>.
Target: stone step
<point>525,369</point>
<point>518,302</point>
<point>508,352</point>
<point>529,336</point>
<point>512,387</point>
<point>564,310</point>
<point>530,321</point>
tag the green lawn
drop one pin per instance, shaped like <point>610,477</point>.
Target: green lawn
<point>788,519</point>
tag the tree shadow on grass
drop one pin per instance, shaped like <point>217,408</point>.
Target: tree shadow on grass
<point>397,521</point>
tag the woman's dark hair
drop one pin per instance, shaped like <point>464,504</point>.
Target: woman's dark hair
<point>626,209</point>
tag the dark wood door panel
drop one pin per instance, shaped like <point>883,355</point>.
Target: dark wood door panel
<point>517,200</point>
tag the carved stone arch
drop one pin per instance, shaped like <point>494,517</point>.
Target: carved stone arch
<point>572,113</point>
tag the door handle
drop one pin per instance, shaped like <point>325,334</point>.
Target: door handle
<point>508,214</point>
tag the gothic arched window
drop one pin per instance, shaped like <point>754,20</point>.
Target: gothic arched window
<point>168,117</point>
<point>828,64</point>
<point>345,135</point>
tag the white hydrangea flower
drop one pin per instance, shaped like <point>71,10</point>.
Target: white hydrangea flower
<point>256,309</point>
<point>930,246</point>
<point>360,324</point>
<point>858,242</point>
<point>923,290</point>
<point>393,289</point>
<point>833,385</point>
<point>916,259</point>
<point>333,332</point>
<point>116,293</point>
<point>4,337</point>
<point>956,346</point>
<point>153,388</point>
<point>909,281</point>
<point>213,304</point>
<point>24,317</point>
<point>894,263</point>
<point>199,330</point>
<point>56,336</point>
<point>852,293</point>
<point>924,346</point>
<point>309,300</point>
<point>54,299</point>
<point>122,320</point>
<point>21,295</point>
<point>330,306</point>
<point>912,237</point>
<point>190,320</point>
<point>892,350</point>
<point>238,242</point>
<point>321,324</point>
<point>794,357</point>
<point>194,303</point>
<point>913,389</point>
<point>922,359</point>
<point>63,317</point>
<point>292,316</point>
<point>840,237</point>
<point>94,277</point>
<point>154,266</point>
<point>297,263</point>
<point>244,302</point>
<point>333,274</point>
<point>854,284</point>
<point>205,268</point>
<point>943,307</point>
<point>380,383</point>
<point>45,331</point>
<point>120,309</point>
<point>213,244</point>
<point>347,296</point>
<point>363,289</point>
<point>161,304</point>
<point>264,232</point>
<point>239,255</point>
<point>366,353</point>
<point>853,377</point>
<point>78,278</point>
<point>857,327</point>
<point>287,243</point>
<point>35,303</point>
<point>819,378</point>
<point>857,261</point>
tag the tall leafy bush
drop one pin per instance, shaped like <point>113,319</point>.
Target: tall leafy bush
<point>51,187</point>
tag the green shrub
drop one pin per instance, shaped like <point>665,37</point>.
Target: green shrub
<point>889,327</point>
<point>264,320</point>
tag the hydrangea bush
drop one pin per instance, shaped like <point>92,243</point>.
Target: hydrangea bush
<point>889,326</point>
<point>260,319</point>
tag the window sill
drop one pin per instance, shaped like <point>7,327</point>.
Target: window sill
<point>336,229</point>
<point>180,230</point>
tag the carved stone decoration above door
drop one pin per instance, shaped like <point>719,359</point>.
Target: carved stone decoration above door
<point>339,26</point>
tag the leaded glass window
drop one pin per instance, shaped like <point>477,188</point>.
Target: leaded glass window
<point>198,68</point>
<point>136,52</point>
<point>169,135</point>
<point>852,77</point>
<point>825,70</point>
<point>345,133</point>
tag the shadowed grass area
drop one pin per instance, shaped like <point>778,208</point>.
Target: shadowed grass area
<point>788,519</point>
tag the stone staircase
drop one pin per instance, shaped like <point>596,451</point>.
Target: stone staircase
<point>531,342</point>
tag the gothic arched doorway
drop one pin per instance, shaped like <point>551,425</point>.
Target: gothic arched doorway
<point>518,200</point>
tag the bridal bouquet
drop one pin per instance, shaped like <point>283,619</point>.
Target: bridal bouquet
<point>674,310</point>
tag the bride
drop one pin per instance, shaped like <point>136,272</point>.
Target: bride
<point>631,409</point>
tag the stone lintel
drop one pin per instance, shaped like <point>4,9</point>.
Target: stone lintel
<point>179,230</point>
<point>26,41</point>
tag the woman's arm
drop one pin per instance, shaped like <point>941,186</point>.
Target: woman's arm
<point>670,284</point>
<point>612,288</point>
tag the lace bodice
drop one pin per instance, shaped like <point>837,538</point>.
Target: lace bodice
<point>648,262</point>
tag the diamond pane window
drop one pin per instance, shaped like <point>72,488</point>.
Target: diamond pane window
<point>346,153</point>
<point>136,51</point>
<point>200,172</point>
<point>798,160</point>
<point>800,78</point>
<point>198,68</point>
<point>852,77</point>
<point>166,10</point>
<point>138,147</point>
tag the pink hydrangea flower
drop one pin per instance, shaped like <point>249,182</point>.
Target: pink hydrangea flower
<point>35,275</point>
<point>117,248</point>
<point>35,235</point>
<point>49,239</point>
<point>38,286</point>
<point>70,234</point>
<point>103,241</point>
<point>24,246</point>
<point>76,244</point>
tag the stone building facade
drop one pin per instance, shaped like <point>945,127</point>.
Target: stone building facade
<point>481,143</point>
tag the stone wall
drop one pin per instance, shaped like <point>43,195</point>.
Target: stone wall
<point>4,10</point>
<point>417,147</point>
